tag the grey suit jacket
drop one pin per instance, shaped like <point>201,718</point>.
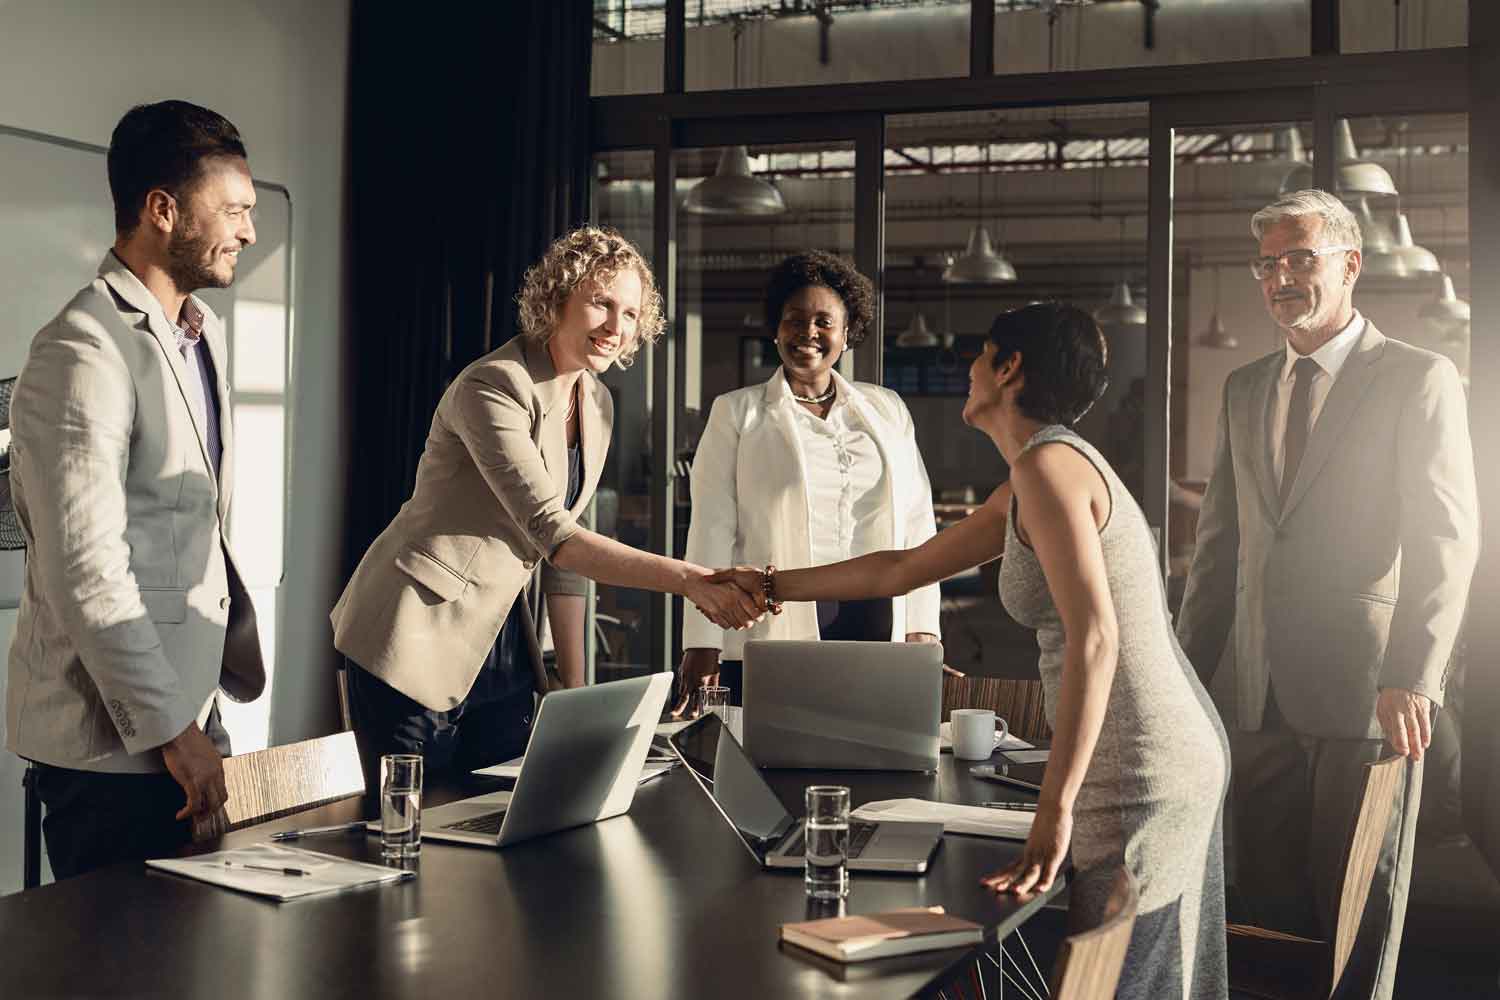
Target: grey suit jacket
<point>431,593</point>
<point>132,611</point>
<point>1360,582</point>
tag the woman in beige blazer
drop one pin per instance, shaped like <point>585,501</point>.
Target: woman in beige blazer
<point>443,656</point>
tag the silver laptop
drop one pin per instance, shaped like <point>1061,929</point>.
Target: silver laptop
<point>774,837</point>
<point>587,750</point>
<point>869,706</point>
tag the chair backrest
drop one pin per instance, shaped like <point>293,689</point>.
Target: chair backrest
<point>286,779</point>
<point>1089,962</point>
<point>1018,702</point>
<point>1382,781</point>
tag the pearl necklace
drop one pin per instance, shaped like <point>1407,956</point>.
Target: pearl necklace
<point>822,397</point>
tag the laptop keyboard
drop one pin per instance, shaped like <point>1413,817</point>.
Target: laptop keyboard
<point>859,837</point>
<point>484,823</point>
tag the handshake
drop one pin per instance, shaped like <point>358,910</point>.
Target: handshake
<point>731,598</point>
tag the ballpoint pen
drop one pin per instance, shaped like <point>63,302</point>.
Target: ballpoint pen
<point>1022,806</point>
<point>273,869</point>
<point>319,831</point>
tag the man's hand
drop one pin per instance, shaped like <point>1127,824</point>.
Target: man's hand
<point>725,604</point>
<point>1406,719</point>
<point>194,761</point>
<point>699,666</point>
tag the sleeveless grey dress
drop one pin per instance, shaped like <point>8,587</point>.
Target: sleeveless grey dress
<point>1153,795</point>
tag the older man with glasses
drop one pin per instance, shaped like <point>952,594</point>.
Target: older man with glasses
<point>1335,545</point>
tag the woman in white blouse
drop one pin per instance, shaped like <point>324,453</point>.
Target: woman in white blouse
<point>806,469</point>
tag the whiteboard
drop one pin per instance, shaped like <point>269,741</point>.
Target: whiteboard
<point>57,222</point>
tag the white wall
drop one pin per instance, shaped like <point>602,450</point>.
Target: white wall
<point>278,70</point>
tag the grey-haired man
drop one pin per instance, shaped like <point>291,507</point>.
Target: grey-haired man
<point>1335,545</point>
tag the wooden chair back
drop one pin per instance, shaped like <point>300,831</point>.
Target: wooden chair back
<point>1382,781</point>
<point>283,780</point>
<point>1018,702</point>
<point>1089,962</point>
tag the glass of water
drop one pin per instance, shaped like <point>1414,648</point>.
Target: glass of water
<point>400,805</point>
<point>826,873</point>
<point>713,700</point>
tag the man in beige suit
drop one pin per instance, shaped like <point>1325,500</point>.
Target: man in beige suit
<point>133,616</point>
<point>1335,545</point>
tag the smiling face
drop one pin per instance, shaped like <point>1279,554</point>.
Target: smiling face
<point>813,333</point>
<point>598,322</point>
<point>213,225</point>
<point>1310,307</point>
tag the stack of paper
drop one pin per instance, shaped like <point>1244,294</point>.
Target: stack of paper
<point>945,740</point>
<point>280,872</point>
<point>981,821</point>
<point>877,935</point>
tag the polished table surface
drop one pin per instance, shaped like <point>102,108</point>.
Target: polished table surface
<point>661,902</point>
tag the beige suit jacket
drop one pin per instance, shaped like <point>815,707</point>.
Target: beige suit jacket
<point>431,593</point>
<point>1360,581</point>
<point>132,611</point>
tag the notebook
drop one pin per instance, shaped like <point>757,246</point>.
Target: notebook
<point>880,935</point>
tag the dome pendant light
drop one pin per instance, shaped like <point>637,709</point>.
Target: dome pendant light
<point>1216,336</point>
<point>1379,257</point>
<point>1416,260</point>
<point>1121,310</point>
<point>734,190</point>
<point>917,333</point>
<point>1447,315</point>
<point>1353,178</point>
<point>979,264</point>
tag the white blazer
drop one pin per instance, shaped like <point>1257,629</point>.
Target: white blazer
<point>750,503</point>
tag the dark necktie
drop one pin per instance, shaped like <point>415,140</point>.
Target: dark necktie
<point>1298,413</point>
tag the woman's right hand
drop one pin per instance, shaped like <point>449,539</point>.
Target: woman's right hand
<point>699,666</point>
<point>724,603</point>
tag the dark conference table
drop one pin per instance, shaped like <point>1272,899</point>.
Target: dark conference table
<point>661,902</point>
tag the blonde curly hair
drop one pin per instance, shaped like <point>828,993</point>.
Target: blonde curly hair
<point>588,253</point>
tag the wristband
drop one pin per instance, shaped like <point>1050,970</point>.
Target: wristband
<point>768,589</point>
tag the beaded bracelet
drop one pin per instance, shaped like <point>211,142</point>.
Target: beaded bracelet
<point>768,589</point>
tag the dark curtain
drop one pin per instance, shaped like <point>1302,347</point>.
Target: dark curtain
<point>468,154</point>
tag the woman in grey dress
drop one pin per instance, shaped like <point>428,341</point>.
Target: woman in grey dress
<point>1139,762</point>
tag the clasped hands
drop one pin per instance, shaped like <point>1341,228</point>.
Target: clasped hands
<point>730,598</point>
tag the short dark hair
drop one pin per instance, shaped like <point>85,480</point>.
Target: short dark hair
<point>819,267</point>
<point>163,145</point>
<point>1063,355</point>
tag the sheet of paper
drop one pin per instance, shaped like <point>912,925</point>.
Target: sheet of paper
<point>325,872</point>
<point>945,740</point>
<point>1026,756</point>
<point>980,821</point>
<point>512,769</point>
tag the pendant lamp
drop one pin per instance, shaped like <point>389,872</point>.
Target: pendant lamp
<point>1416,260</point>
<point>979,264</point>
<point>1216,336</point>
<point>1447,315</point>
<point>1120,310</point>
<point>917,333</point>
<point>1379,257</point>
<point>1353,177</point>
<point>734,190</point>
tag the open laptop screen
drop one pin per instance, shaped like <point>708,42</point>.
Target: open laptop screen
<point>726,772</point>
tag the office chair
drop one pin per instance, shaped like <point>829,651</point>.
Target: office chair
<point>1270,965</point>
<point>283,780</point>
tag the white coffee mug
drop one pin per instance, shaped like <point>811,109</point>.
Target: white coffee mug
<point>974,733</point>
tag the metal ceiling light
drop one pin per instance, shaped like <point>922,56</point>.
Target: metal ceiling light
<point>1121,309</point>
<point>979,264</point>
<point>1354,177</point>
<point>917,333</point>
<point>1417,260</point>
<point>1379,257</point>
<point>1216,336</point>
<point>734,190</point>
<point>1447,315</point>
<point>1271,175</point>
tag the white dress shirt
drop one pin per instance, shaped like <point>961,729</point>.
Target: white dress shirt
<point>1330,359</point>
<point>845,485</point>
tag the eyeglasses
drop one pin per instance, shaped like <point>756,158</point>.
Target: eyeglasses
<point>1299,261</point>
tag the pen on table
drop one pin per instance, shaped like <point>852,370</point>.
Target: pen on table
<point>274,869</point>
<point>1022,806</point>
<point>318,831</point>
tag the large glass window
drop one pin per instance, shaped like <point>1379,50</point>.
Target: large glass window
<point>1386,26</point>
<point>741,43</point>
<point>623,198</point>
<point>985,212</point>
<point>628,54</point>
<point>1037,36</point>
